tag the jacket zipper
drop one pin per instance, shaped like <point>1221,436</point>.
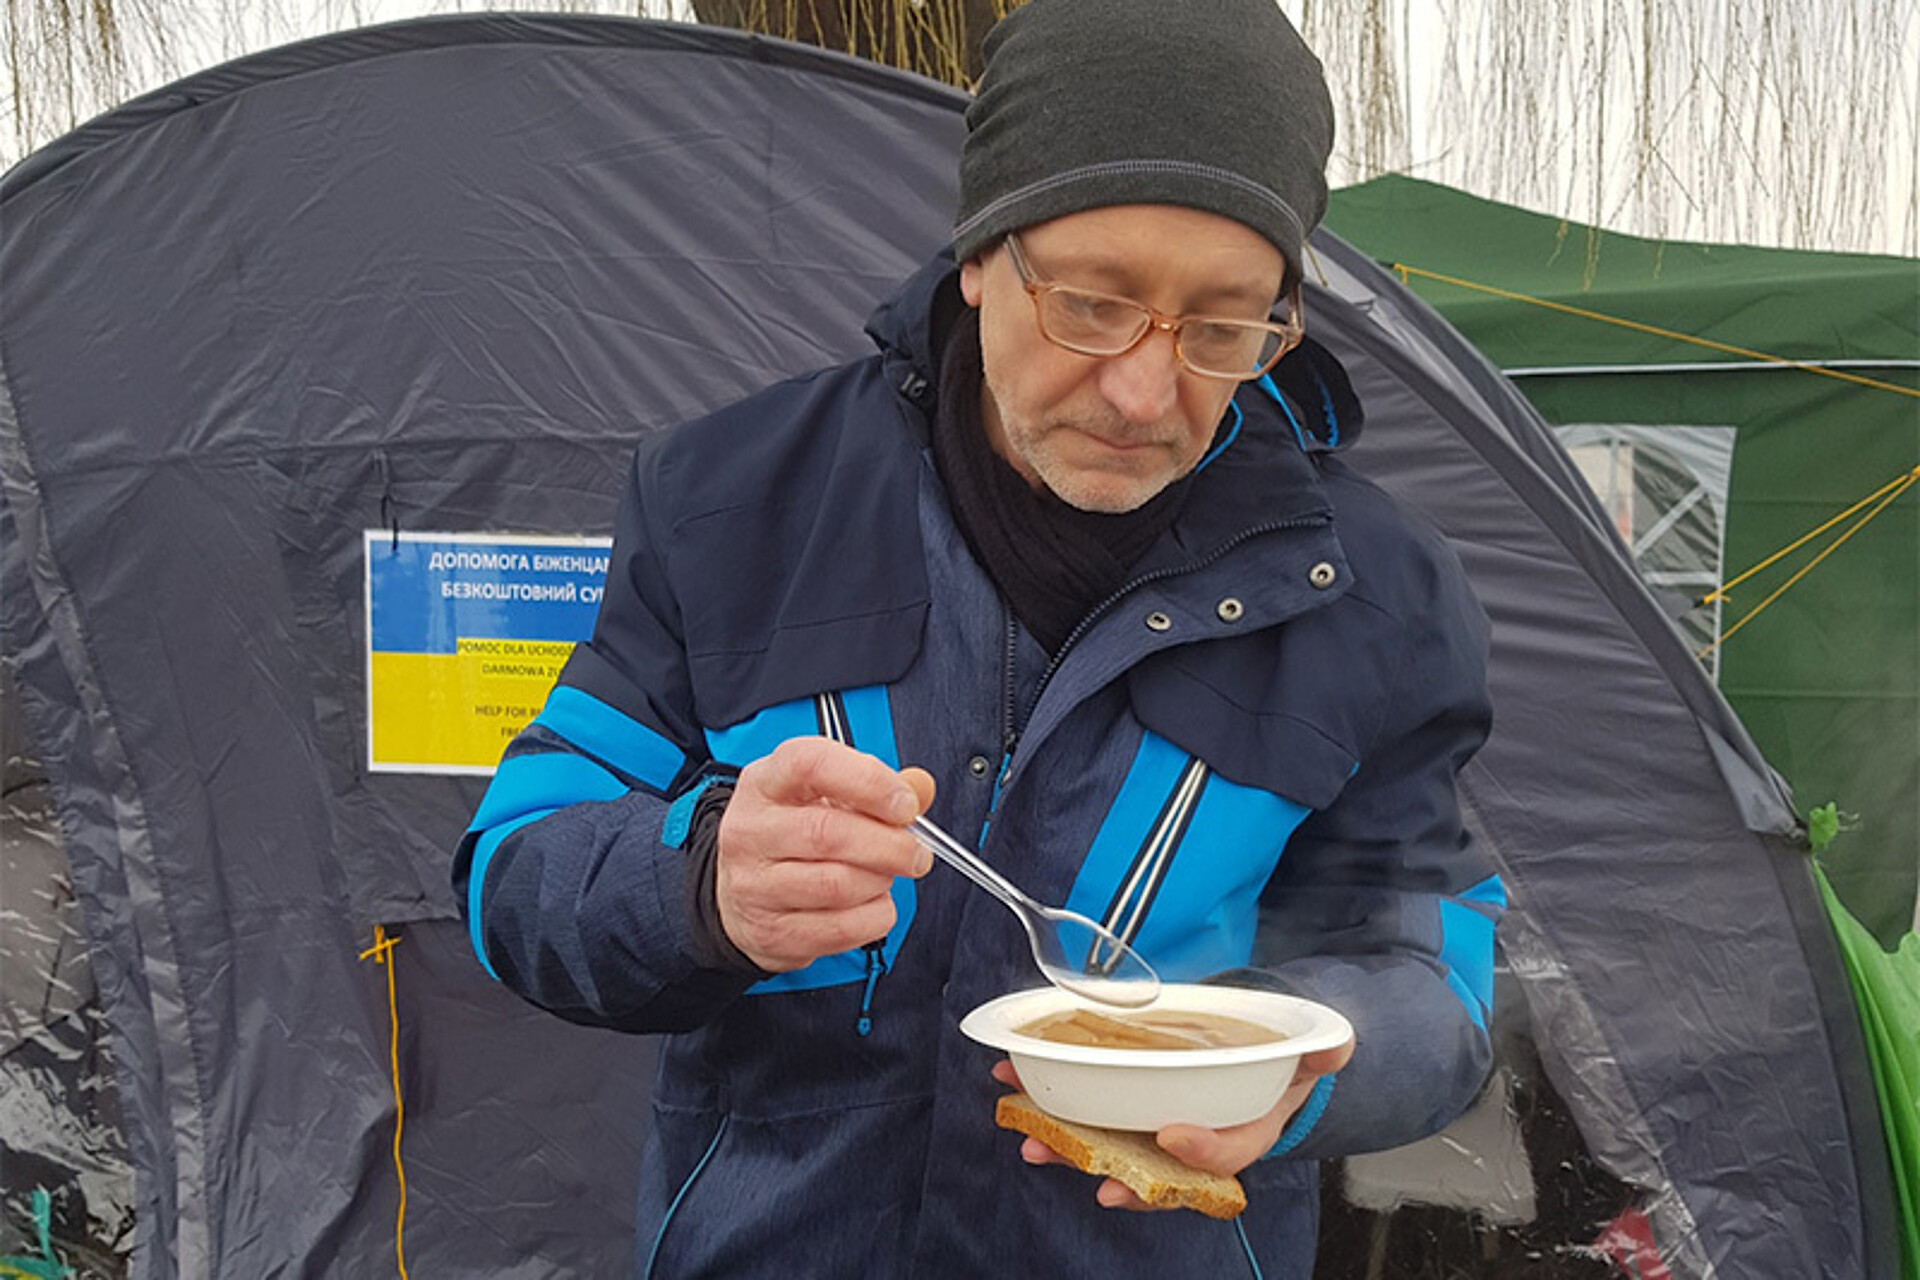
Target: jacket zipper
<point>1009,731</point>
<point>830,717</point>
<point>719,1132</point>
<point>876,967</point>
<point>1010,724</point>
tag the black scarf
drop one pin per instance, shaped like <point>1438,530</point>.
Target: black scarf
<point>1052,562</point>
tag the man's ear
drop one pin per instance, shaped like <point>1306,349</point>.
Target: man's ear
<point>971,273</point>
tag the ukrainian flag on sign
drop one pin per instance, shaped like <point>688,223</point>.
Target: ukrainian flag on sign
<point>466,634</point>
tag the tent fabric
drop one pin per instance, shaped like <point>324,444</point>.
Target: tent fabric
<point>1570,822</point>
<point>442,275</point>
<point>1799,305</point>
<point>437,278</point>
<point>60,1130</point>
<point>1827,679</point>
<point>1887,986</point>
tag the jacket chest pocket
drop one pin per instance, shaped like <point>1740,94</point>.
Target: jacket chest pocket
<point>1288,711</point>
<point>1179,861</point>
<point>861,718</point>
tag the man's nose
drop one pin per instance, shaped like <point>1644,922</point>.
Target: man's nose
<point>1144,381</point>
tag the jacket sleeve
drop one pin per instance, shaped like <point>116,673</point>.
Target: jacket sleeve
<point>1384,907</point>
<point>572,877</point>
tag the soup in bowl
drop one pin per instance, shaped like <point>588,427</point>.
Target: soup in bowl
<point>1206,1055</point>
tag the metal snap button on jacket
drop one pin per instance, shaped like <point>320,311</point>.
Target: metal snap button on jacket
<point>1157,621</point>
<point>978,766</point>
<point>1321,575</point>
<point>1230,610</point>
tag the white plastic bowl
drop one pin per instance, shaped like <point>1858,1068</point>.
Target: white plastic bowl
<point>1145,1089</point>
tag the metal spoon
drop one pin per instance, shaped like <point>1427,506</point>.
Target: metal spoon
<point>1108,971</point>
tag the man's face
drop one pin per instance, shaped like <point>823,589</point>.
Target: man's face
<point>1108,433</point>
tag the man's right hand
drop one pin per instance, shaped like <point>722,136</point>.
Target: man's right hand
<point>808,848</point>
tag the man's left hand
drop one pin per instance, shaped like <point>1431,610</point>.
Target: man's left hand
<point>1221,1151</point>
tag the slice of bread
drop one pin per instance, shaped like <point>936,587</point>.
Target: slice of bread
<point>1133,1158</point>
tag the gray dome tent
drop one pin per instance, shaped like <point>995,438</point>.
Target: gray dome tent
<point>431,280</point>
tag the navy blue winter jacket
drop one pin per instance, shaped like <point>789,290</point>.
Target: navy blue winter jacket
<point>1267,720</point>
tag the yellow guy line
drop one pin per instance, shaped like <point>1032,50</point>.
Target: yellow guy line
<point>1875,383</point>
<point>381,952</point>
<point>1886,494</point>
<point>1898,482</point>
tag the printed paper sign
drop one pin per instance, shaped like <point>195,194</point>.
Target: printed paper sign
<point>466,634</point>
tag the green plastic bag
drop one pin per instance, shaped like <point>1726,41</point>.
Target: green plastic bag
<point>1886,986</point>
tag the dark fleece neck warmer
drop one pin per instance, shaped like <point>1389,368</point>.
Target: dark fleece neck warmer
<point>1052,562</point>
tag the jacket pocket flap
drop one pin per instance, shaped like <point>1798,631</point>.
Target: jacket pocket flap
<point>1301,746</point>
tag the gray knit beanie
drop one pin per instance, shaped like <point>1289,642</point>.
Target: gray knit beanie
<point>1213,104</point>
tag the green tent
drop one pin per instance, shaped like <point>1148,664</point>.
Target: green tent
<point>1709,461</point>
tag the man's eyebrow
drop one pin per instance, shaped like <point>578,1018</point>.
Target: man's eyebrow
<point>1110,277</point>
<point>1243,290</point>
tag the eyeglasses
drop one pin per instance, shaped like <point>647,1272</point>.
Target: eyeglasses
<point>1101,324</point>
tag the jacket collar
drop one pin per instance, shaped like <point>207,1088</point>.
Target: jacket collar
<point>910,327</point>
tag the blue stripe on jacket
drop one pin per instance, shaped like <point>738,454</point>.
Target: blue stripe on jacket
<point>1206,909</point>
<point>611,735</point>
<point>1466,944</point>
<point>741,744</point>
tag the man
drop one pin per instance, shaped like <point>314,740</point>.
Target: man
<point>1074,549</point>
